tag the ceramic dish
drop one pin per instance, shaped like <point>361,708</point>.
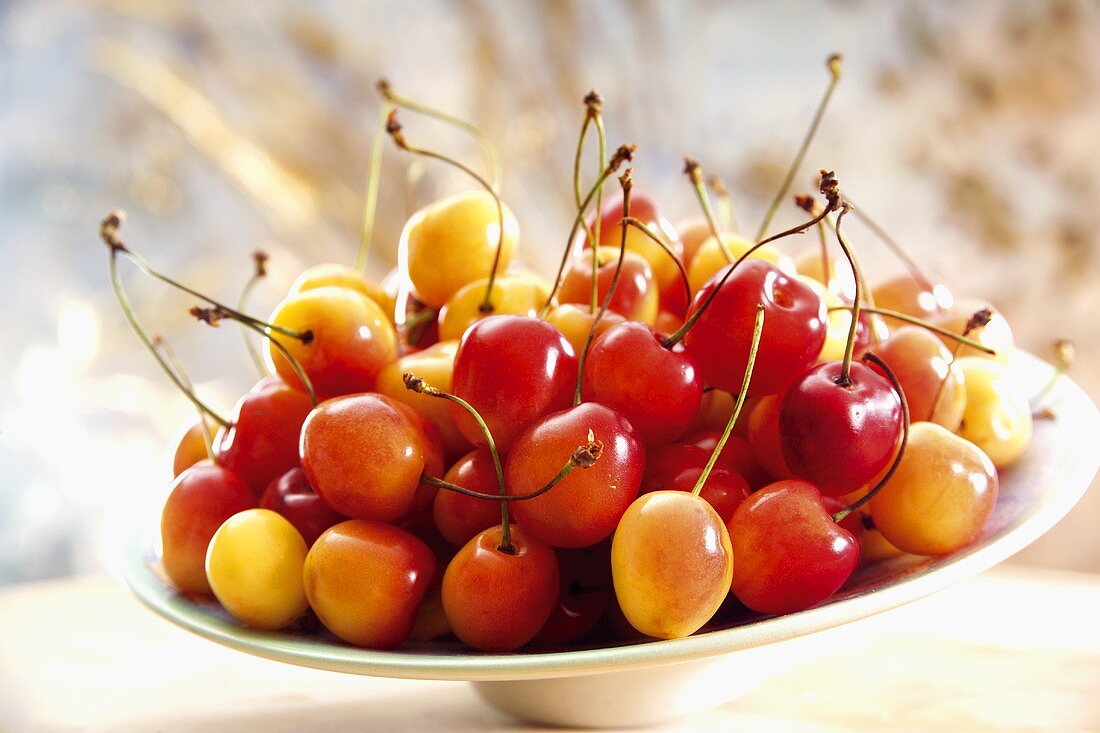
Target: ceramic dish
<point>648,681</point>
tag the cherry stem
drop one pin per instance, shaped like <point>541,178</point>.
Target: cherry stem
<point>828,185</point>
<point>417,384</point>
<point>886,313</point>
<point>622,154</point>
<point>875,359</point>
<point>395,130</point>
<point>585,456</point>
<point>977,320</point>
<point>161,344</point>
<point>627,184</point>
<point>811,207</point>
<point>727,216</point>
<point>911,265</point>
<point>695,175</point>
<point>109,233</point>
<point>593,115</point>
<point>845,378</point>
<point>660,242</point>
<point>374,176</point>
<point>1064,355</point>
<point>833,65</point>
<point>757,330</point>
<point>259,259</point>
<point>385,88</point>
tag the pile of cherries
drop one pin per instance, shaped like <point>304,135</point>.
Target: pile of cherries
<point>684,418</point>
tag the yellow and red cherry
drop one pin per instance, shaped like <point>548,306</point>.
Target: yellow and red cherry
<point>914,297</point>
<point>291,496</point>
<point>671,562</point>
<point>737,454</point>
<point>460,517</point>
<point>996,334</point>
<point>933,386</point>
<point>333,274</point>
<point>715,410</point>
<point>454,242</point>
<point>575,323</point>
<point>764,439</point>
<point>585,507</point>
<point>365,581</point>
<point>657,389</point>
<point>436,365</point>
<point>693,232</point>
<point>190,449</point>
<point>497,599</point>
<point>839,281</point>
<point>254,567</point>
<point>261,442</point>
<point>636,296</point>
<point>513,370</point>
<point>201,499</point>
<point>349,340</point>
<point>584,592</point>
<point>711,259</point>
<point>790,553</point>
<point>997,418</point>
<point>940,496</point>
<point>720,336</point>
<point>826,413</point>
<point>364,455</point>
<point>515,293</point>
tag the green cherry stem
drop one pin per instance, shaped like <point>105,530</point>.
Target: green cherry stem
<point>695,175</point>
<point>385,88</point>
<point>660,242</point>
<point>886,313</point>
<point>396,131</point>
<point>593,115</point>
<point>417,384</point>
<point>259,260</point>
<point>876,360</point>
<point>374,177</point>
<point>109,233</point>
<point>627,184</point>
<point>162,346</point>
<point>845,379</point>
<point>758,328</point>
<point>833,64</point>
<point>623,154</point>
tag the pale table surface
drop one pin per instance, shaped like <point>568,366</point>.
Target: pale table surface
<point>1013,650</point>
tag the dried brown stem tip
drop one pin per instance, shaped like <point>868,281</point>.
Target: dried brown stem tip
<point>692,170</point>
<point>210,316</point>
<point>585,456</point>
<point>384,88</point>
<point>978,320</point>
<point>834,64</point>
<point>622,154</point>
<point>393,129</point>
<point>594,102</point>
<point>108,229</point>
<point>626,180</point>
<point>417,384</point>
<point>807,203</point>
<point>830,189</point>
<point>261,258</point>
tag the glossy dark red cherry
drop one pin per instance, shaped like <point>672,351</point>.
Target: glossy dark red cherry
<point>584,596</point>
<point>291,496</point>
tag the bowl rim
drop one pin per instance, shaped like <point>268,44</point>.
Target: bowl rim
<point>1070,478</point>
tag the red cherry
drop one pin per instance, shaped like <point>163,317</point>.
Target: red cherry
<point>724,489</point>
<point>261,443</point>
<point>497,601</point>
<point>460,517</point>
<point>839,436</point>
<point>291,496</point>
<point>668,461</point>
<point>583,596</point>
<point>657,389</point>
<point>586,506</point>
<point>767,447</point>
<point>635,295</point>
<point>202,498</point>
<point>790,553</point>
<point>513,370</point>
<point>736,455</point>
<point>719,340</point>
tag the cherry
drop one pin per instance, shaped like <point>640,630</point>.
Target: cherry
<point>662,403</point>
<point>575,322</point>
<point>723,489</point>
<point>583,595</point>
<point>333,274</point>
<point>517,293</point>
<point>997,418</point>
<point>201,499</point>
<point>261,444</point>
<point>737,454</point>
<point>191,447</point>
<point>922,364</point>
<point>365,581</point>
<point>790,553</point>
<point>364,455</point>
<point>460,517</point>
<point>715,410</point>
<point>513,370</point>
<point>635,295</point>
<point>585,507</point>
<point>497,600</point>
<point>291,496</point>
<point>995,334</point>
<point>914,297</point>
<point>764,438</point>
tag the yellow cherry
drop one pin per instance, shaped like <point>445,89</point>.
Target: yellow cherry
<point>996,334</point>
<point>709,258</point>
<point>575,321</point>
<point>254,566</point>
<point>671,563</point>
<point>839,282</point>
<point>514,293</point>
<point>997,417</point>
<point>333,274</point>
<point>453,243</point>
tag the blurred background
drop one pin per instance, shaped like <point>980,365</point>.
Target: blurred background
<point>968,128</point>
